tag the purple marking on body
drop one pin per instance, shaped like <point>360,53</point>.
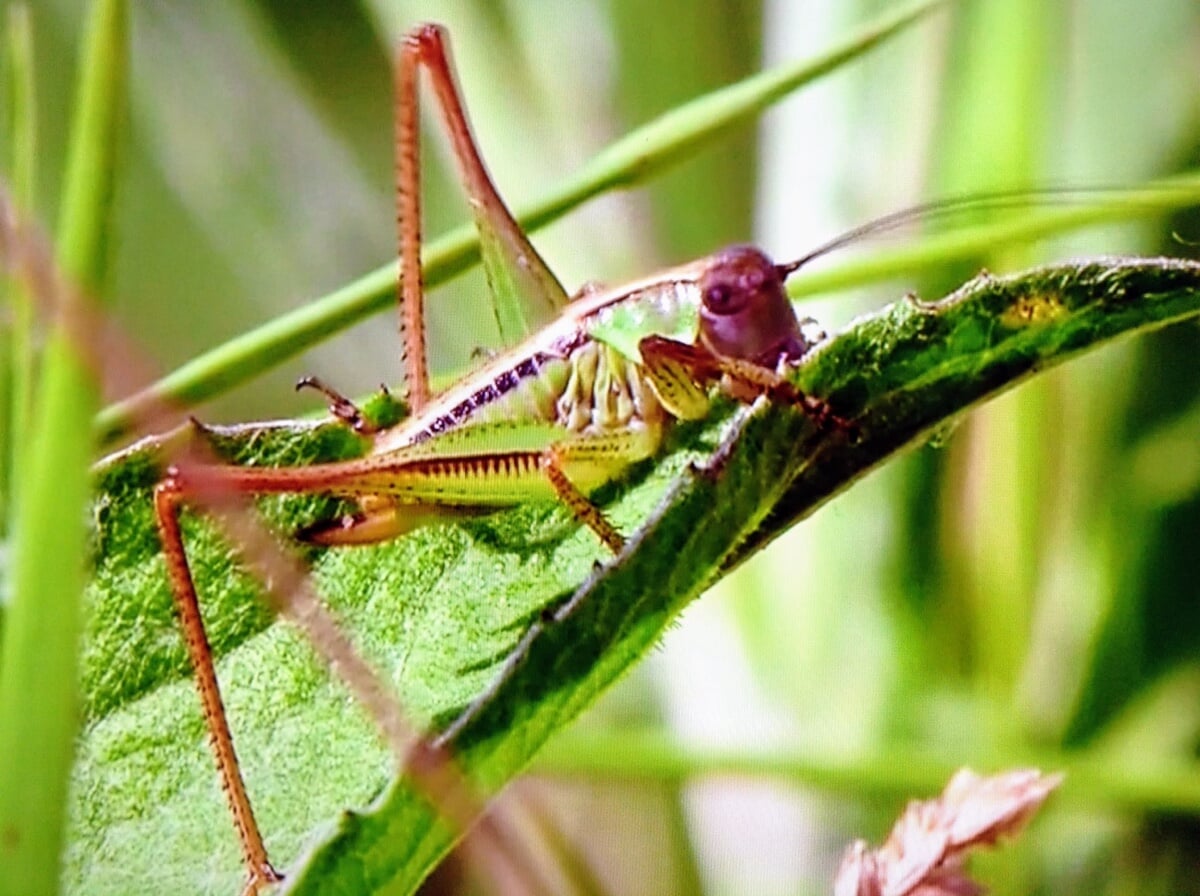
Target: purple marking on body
<point>506,381</point>
<point>485,396</point>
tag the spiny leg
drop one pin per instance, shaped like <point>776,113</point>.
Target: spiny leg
<point>168,497</point>
<point>513,266</point>
<point>576,458</point>
<point>214,488</point>
<point>408,223</point>
<point>580,505</point>
<point>352,478</point>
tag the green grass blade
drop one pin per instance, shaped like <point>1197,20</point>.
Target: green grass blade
<point>685,50</point>
<point>442,607</point>
<point>630,160</point>
<point>1096,780</point>
<point>22,158</point>
<point>38,680</point>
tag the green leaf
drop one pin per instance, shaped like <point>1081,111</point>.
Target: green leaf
<point>440,609</point>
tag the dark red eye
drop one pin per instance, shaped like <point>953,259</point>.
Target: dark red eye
<point>723,299</point>
<point>718,297</point>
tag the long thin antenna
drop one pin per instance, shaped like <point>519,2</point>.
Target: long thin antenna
<point>955,205</point>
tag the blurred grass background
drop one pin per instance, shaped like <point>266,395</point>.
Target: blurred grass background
<point>1025,590</point>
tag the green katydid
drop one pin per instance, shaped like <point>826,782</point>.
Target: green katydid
<point>568,409</point>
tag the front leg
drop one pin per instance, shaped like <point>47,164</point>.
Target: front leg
<point>666,359</point>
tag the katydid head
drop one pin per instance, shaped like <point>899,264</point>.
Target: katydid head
<point>745,312</point>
